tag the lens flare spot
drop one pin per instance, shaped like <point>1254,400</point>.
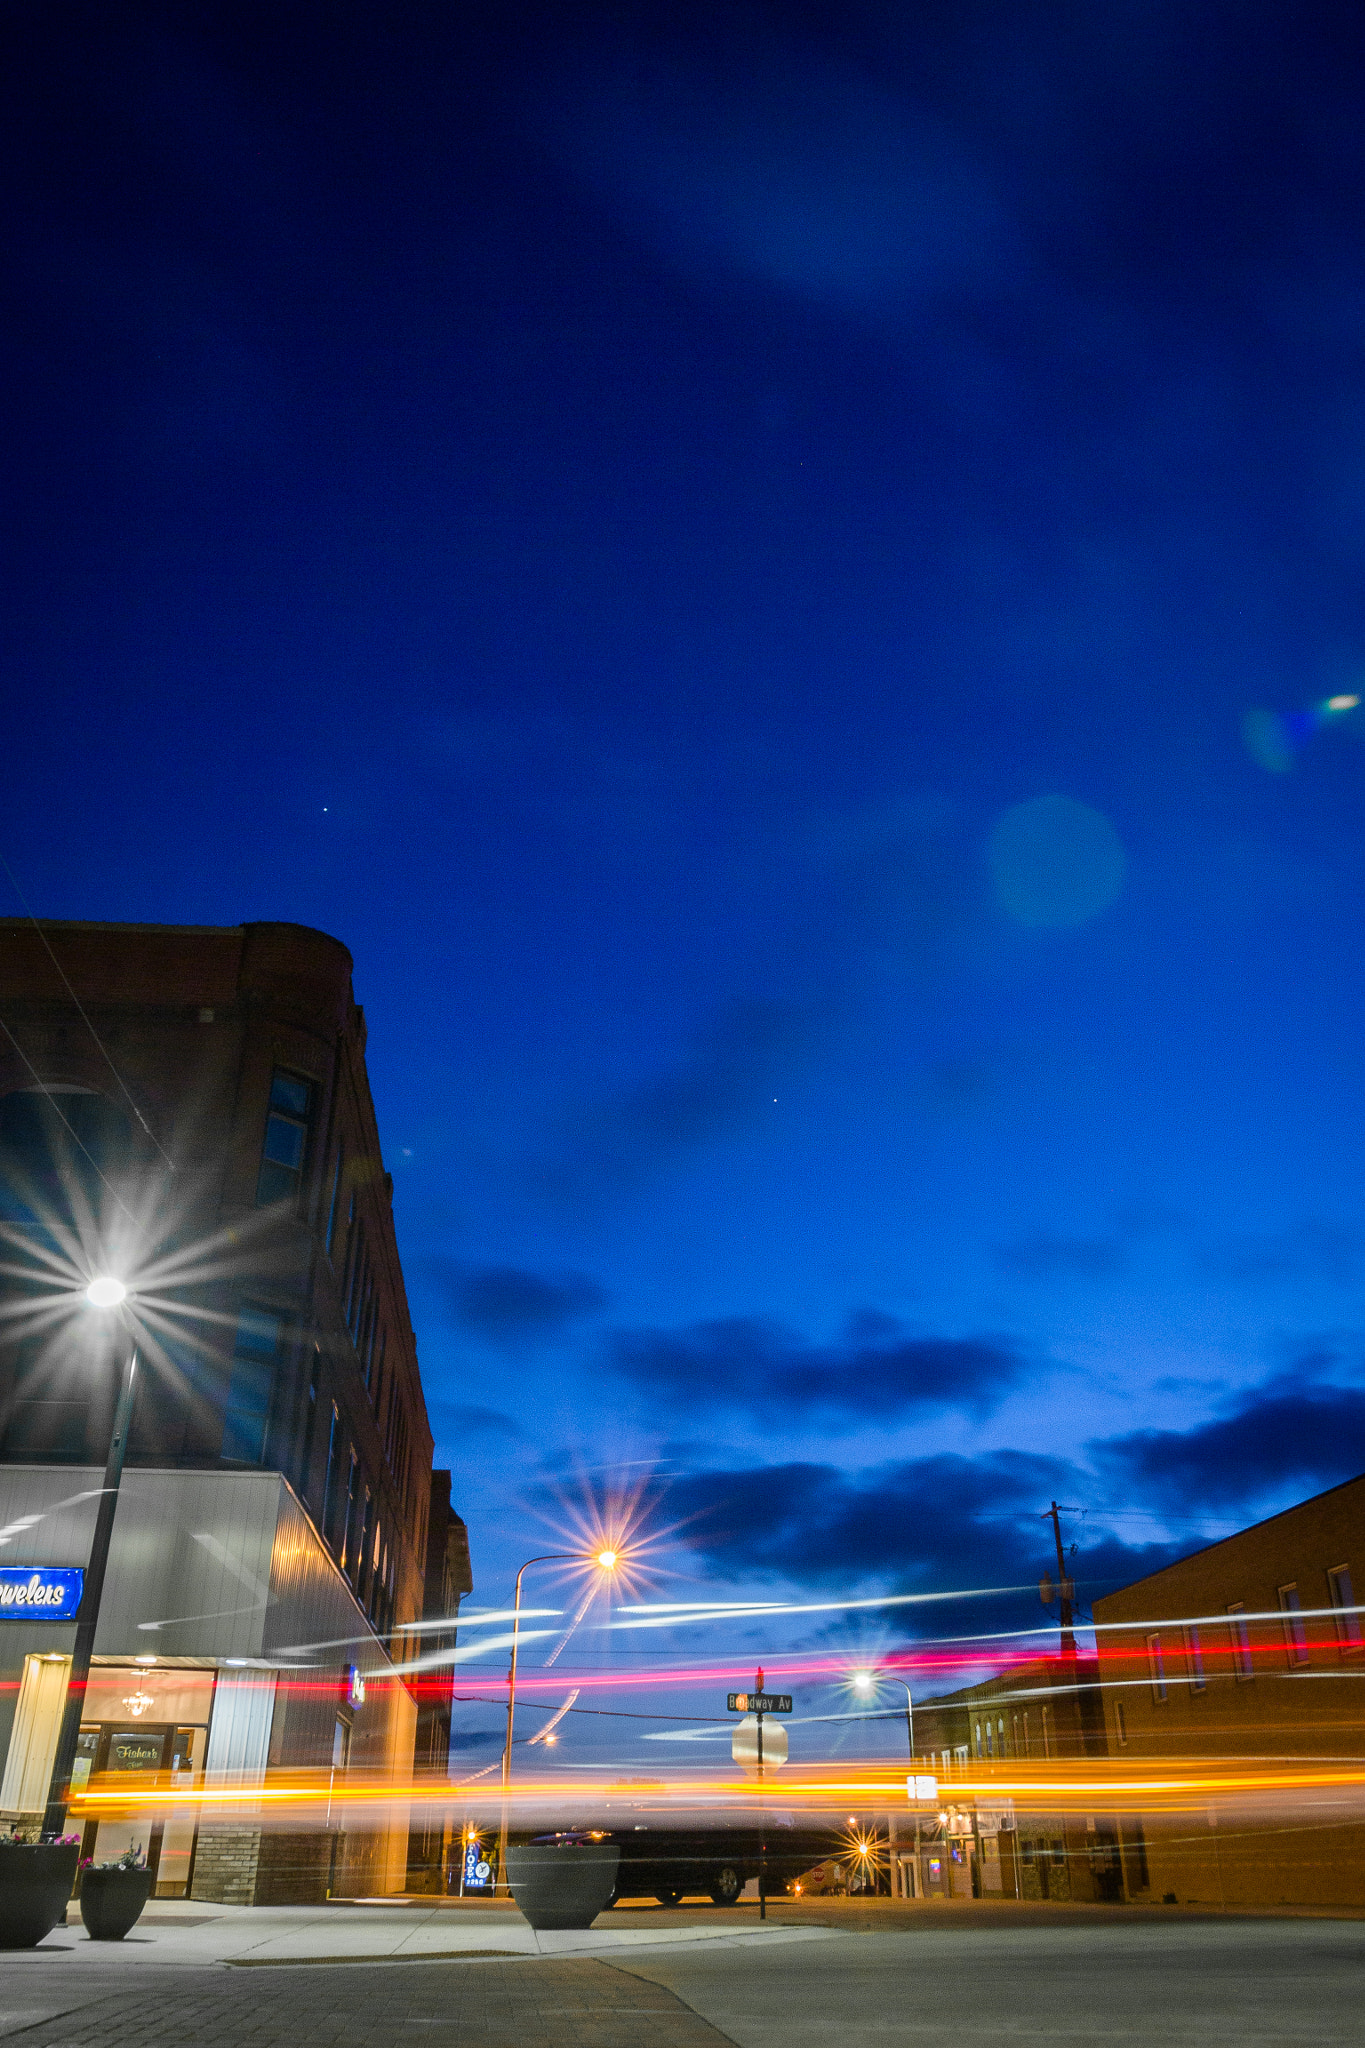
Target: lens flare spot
<point>1055,863</point>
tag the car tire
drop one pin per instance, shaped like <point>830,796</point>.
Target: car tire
<point>726,1886</point>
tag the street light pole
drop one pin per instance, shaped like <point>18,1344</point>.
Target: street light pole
<point>101,1294</point>
<point>865,1682</point>
<point>606,1560</point>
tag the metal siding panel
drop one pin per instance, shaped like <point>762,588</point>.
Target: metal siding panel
<point>239,1733</point>
<point>189,1565</point>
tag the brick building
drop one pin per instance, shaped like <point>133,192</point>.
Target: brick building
<point>189,1107</point>
<point>1249,1651</point>
<point>1044,1711</point>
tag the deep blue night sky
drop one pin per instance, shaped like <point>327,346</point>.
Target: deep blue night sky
<point>610,511</point>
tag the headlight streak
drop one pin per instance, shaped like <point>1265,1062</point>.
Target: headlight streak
<point>1179,1786</point>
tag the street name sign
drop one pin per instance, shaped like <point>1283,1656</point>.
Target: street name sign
<point>922,1788</point>
<point>759,1703</point>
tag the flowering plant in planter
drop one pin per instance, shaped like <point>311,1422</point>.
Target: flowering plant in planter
<point>114,1894</point>
<point>131,1859</point>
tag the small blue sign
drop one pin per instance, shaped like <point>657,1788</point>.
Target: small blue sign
<point>40,1592</point>
<point>478,1872</point>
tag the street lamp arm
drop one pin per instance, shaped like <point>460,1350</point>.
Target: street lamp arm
<point>546,1557</point>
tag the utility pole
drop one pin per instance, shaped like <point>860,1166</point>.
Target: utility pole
<point>1066,1585</point>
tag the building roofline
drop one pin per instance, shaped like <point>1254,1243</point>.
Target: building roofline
<point>1206,1549</point>
<point>47,925</point>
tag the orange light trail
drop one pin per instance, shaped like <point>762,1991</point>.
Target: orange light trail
<point>1173,1786</point>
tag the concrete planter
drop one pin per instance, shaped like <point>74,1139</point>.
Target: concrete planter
<point>562,1884</point>
<point>35,1884</point>
<point>112,1901</point>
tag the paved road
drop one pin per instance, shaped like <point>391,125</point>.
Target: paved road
<point>1173,1983</point>
<point>1189,1984</point>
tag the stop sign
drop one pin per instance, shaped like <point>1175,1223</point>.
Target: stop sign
<point>744,1744</point>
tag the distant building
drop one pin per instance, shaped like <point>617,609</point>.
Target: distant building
<point>194,1101</point>
<point>435,1845</point>
<point>1043,1711</point>
<point>1249,1651</point>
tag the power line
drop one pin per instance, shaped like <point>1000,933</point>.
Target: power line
<point>75,1140</point>
<point>86,1021</point>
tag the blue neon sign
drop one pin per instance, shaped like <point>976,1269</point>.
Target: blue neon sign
<point>40,1592</point>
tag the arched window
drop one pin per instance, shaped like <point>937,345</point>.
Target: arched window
<point>61,1150</point>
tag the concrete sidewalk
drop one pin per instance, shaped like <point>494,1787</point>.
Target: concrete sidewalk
<point>172,1934</point>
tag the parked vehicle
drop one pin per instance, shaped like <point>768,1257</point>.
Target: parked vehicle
<point>670,1863</point>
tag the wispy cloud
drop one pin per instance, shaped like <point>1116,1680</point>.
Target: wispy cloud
<point>877,1370</point>
<point>1044,1256</point>
<point>512,1306</point>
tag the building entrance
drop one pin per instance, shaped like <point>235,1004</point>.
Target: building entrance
<point>126,1737</point>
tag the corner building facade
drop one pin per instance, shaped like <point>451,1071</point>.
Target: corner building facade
<point>1245,1656</point>
<point>190,1105</point>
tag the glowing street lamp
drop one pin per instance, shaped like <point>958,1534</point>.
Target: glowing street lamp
<point>104,1293</point>
<point>606,1561</point>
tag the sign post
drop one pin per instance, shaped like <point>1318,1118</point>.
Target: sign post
<point>756,1704</point>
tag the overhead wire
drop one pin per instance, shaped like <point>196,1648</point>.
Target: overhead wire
<point>104,1050</point>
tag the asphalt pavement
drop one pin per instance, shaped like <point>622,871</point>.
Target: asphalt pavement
<point>374,1978</point>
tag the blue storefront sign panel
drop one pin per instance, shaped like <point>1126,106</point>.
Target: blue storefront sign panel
<point>43,1592</point>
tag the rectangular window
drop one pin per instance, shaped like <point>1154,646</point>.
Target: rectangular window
<point>1047,1733</point>
<point>251,1386</point>
<point>348,1559</point>
<point>332,1488</point>
<point>1194,1660</point>
<point>1028,1741</point>
<point>334,1206</point>
<point>1241,1641</point>
<point>362,1566</point>
<point>1295,1634</point>
<point>1340,1587</point>
<point>1120,1724</point>
<point>310,1424</point>
<point>1156,1665</point>
<point>286,1139</point>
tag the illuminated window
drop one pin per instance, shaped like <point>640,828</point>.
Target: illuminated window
<point>1194,1660</point>
<point>1295,1634</point>
<point>1156,1665</point>
<point>1241,1641</point>
<point>1120,1724</point>
<point>1344,1602</point>
<point>286,1139</point>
